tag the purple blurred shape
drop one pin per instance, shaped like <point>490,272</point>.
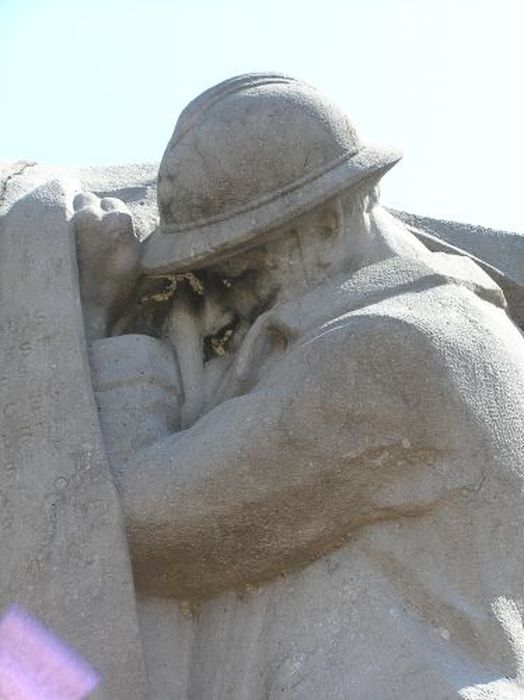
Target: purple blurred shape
<point>36,665</point>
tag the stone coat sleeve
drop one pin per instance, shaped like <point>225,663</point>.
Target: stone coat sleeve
<point>363,421</point>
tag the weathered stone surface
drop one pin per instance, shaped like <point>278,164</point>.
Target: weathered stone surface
<point>316,432</point>
<point>62,550</point>
<point>502,249</point>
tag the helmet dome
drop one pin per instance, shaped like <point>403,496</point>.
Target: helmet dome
<point>246,156</point>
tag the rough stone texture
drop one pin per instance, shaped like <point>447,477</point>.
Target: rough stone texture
<point>318,442</point>
<point>133,184</point>
<point>502,249</point>
<point>499,253</point>
<point>62,551</point>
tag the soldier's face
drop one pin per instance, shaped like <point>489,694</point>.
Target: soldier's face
<point>304,248</point>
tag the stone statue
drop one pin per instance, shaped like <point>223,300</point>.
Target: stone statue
<point>314,423</point>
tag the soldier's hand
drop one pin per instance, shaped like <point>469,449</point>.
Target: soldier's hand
<point>108,252</point>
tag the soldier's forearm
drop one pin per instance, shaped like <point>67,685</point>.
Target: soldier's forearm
<point>236,500</point>
<point>267,481</point>
<point>137,397</point>
<point>228,498</point>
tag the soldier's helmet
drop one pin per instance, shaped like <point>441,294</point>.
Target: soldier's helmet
<point>247,156</point>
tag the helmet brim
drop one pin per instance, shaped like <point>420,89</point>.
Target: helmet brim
<point>212,240</point>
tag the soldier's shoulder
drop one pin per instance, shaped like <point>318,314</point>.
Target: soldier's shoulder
<point>445,330</point>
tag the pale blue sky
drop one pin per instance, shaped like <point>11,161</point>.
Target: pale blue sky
<point>103,81</point>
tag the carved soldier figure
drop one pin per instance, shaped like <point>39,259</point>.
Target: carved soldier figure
<point>315,424</point>
<point>345,448</point>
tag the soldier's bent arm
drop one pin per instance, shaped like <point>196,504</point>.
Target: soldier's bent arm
<point>351,428</point>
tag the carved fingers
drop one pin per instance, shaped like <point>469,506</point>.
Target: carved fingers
<point>108,252</point>
<point>106,221</point>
